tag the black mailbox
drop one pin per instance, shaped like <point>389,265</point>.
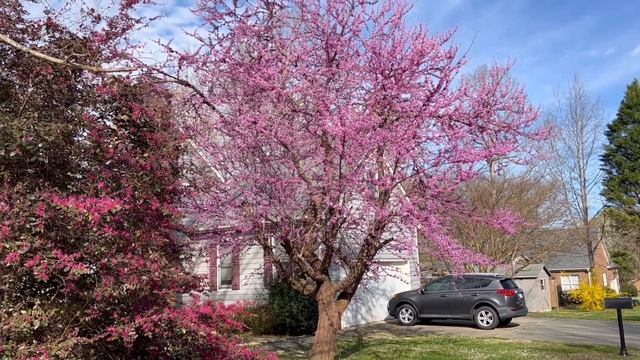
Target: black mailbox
<point>619,303</point>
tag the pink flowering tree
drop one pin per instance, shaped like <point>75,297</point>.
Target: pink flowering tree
<point>335,131</point>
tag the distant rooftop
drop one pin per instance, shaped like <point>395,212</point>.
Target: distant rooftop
<point>574,259</point>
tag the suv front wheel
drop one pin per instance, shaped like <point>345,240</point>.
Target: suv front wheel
<point>407,315</point>
<point>486,318</point>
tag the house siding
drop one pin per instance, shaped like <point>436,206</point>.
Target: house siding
<point>368,305</point>
<point>537,299</point>
<point>249,283</point>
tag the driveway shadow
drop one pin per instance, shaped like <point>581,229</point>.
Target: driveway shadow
<point>447,323</point>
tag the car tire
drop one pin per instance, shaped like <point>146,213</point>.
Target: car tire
<point>486,318</point>
<point>505,322</point>
<point>407,315</point>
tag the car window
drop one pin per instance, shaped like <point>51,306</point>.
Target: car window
<point>467,283</point>
<point>459,283</point>
<point>508,284</point>
<point>441,284</point>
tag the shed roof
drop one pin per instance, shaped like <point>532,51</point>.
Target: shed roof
<point>531,271</point>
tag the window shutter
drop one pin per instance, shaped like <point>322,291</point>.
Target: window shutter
<point>213,267</point>
<point>268,270</point>
<point>235,269</point>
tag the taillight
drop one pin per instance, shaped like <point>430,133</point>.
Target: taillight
<point>506,292</point>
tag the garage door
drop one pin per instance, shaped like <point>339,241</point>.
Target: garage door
<point>370,302</point>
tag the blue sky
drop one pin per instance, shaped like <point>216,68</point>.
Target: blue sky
<point>550,41</point>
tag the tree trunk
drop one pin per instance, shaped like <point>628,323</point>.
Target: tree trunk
<point>329,316</point>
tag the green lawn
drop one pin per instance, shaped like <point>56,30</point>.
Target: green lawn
<point>632,315</point>
<point>449,348</point>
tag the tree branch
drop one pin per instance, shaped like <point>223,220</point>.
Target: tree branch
<point>39,55</point>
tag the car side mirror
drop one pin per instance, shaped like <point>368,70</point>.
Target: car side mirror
<point>421,291</point>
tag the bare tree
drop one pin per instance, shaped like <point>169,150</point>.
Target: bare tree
<point>531,196</point>
<point>578,118</point>
<point>507,184</point>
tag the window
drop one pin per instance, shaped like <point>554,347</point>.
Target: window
<point>569,282</point>
<point>468,283</point>
<point>541,284</point>
<point>225,270</point>
<point>441,284</point>
<point>509,284</point>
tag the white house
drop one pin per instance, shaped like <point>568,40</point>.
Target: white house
<point>234,277</point>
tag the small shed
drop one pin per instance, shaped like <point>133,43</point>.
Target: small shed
<point>535,282</point>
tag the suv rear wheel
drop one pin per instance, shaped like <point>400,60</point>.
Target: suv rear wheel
<point>486,318</point>
<point>407,315</point>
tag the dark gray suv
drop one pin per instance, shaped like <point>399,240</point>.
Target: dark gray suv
<point>488,300</point>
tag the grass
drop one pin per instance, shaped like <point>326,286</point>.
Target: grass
<point>379,346</point>
<point>632,315</point>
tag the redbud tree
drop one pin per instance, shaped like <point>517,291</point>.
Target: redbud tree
<point>334,131</point>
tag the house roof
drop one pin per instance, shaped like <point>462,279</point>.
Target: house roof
<point>531,271</point>
<point>577,258</point>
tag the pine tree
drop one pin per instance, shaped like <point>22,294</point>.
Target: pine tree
<point>621,165</point>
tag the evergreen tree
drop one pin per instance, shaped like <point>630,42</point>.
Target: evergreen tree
<point>621,166</point>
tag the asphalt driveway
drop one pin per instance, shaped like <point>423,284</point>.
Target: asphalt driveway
<point>527,328</point>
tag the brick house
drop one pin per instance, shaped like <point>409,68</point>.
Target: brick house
<point>571,268</point>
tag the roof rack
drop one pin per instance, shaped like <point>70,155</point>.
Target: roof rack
<point>486,274</point>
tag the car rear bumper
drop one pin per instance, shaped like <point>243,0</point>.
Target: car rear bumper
<point>509,312</point>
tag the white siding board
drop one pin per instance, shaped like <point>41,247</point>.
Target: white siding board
<point>369,304</point>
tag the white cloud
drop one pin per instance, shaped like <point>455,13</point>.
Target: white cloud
<point>636,51</point>
<point>601,52</point>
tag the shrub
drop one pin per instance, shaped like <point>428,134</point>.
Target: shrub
<point>259,320</point>
<point>285,312</point>
<point>629,289</point>
<point>199,331</point>
<point>92,173</point>
<point>591,296</point>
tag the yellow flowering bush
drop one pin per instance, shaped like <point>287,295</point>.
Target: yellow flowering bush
<point>591,296</point>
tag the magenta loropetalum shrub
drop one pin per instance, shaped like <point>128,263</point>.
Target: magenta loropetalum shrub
<point>91,178</point>
<point>186,333</point>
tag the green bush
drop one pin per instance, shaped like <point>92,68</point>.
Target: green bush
<point>629,290</point>
<point>284,312</point>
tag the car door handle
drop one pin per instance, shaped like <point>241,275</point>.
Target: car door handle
<point>475,294</point>
<point>444,295</point>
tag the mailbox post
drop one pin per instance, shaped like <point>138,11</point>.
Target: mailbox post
<point>619,304</point>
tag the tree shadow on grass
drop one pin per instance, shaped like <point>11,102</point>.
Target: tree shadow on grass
<point>357,346</point>
<point>294,347</point>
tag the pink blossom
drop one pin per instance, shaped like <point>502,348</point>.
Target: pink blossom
<point>345,116</point>
<point>12,258</point>
<point>32,262</point>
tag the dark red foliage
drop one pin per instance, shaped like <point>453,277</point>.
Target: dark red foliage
<point>90,183</point>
